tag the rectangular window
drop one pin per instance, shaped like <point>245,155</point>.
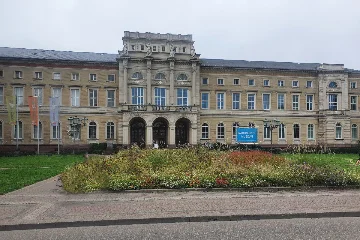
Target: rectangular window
<point>295,83</point>
<point>38,75</point>
<point>281,131</point>
<point>160,96</point>
<point>220,100</point>
<point>19,93</point>
<point>184,49</point>
<point>267,133</point>
<point>309,84</point>
<point>57,92</point>
<point>352,84</point>
<point>266,83</point>
<point>251,101</point>
<point>111,78</point>
<point>93,97</point>
<point>309,102</point>
<point>154,48</point>
<point>353,102</point>
<point>92,77</point>
<point>205,81</point>
<point>110,98</point>
<point>35,129</point>
<point>110,130</point>
<point>236,81</point>
<point>1,73</point>
<point>55,132</point>
<point>310,132</point>
<point>333,102</point>
<point>163,48</point>
<point>182,97</point>
<point>296,129</point>
<point>220,81</point>
<point>295,102</point>
<point>251,82</point>
<point>18,74</point>
<point>56,76</point>
<point>38,92</point>
<point>137,95</point>
<point>266,101</point>
<point>1,95</point>
<point>75,97</point>
<point>236,101</point>
<point>18,134</point>
<point>281,83</point>
<point>204,100</point>
<point>281,101</point>
<point>75,76</point>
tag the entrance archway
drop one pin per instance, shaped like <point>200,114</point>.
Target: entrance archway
<point>137,132</point>
<point>160,132</point>
<point>182,127</point>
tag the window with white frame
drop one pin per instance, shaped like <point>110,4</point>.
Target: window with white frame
<point>333,102</point>
<point>267,133</point>
<point>76,132</point>
<point>251,82</point>
<point>137,95</point>
<point>266,101</point>
<point>309,84</point>
<point>309,102</point>
<point>182,77</point>
<point>220,81</point>
<point>234,129</point>
<point>220,100</point>
<point>92,77</point>
<point>93,97</point>
<point>281,83</point>
<point>154,48</point>
<point>266,82</point>
<point>56,92</point>
<point>75,97</point>
<point>56,76</point>
<point>110,130</point>
<point>220,133</point>
<point>310,131</point>
<point>281,131</point>
<point>92,130</point>
<point>236,81</point>
<point>75,76</point>
<point>338,131</point>
<point>295,83</point>
<point>205,131</point>
<point>110,98</point>
<point>160,96</point>
<point>296,131</point>
<point>55,133</point>
<point>182,96</point>
<point>281,101</point>
<point>1,95</point>
<point>35,131</point>
<point>235,101</point>
<point>137,76</point>
<point>18,74</point>
<point>160,76</point>
<point>251,101</point>
<point>205,81</point>
<point>353,102</point>
<point>19,93</point>
<point>354,132</point>
<point>204,100</point>
<point>111,77</point>
<point>38,92</point>
<point>295,102</point>
<point>353,85</point>
<point>18,134</point>
<point>38,75</point>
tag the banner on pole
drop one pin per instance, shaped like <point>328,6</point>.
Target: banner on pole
<point>33,105</point>
<point>11,107</point>
<point>54,111</point>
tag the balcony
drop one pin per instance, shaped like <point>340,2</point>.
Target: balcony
<point>157,108</point>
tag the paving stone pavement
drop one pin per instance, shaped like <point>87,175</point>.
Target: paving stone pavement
<point>45,202</point>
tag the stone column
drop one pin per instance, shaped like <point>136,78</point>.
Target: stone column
<point>125,86</point>
<point>193,85</point>
<point>149,135</point>
<point>172,90</point>
<point>172,143</point>
<point>148,82</point>
<point>193,132</point>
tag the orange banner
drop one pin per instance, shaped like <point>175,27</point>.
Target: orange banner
<point>33,105</point>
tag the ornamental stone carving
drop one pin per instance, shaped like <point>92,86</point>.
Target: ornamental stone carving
<point>148,50</point>
<point>192,52</point>
<point>172,51</point>
<point>125,51</point>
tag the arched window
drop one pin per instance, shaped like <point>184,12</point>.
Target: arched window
<point>137,76</point>
<point>205,131</point>
<point>160,76</point>
<point>332,85</point>
<point>234,129</point>
<point>338,131</point>
<point>296,129</point>
<point>92,130</point>
<point>354,131</point>
<point>310,131</point>
<point>18,134</point>
<point>35,133</point>
<point>282,131</point>
<point>182,77</point>
<point>220,131</point>
<point>110,130</point>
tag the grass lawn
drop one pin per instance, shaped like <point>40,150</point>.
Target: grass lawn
<point>18,172</point>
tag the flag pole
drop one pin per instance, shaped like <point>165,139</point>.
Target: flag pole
<point>38,126</point>
<point>17,124</point>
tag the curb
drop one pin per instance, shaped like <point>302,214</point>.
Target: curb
<point>31,226</point>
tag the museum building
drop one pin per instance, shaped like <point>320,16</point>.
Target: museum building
<point>158,89</point>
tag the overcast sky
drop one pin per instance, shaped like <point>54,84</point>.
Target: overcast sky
<point>265,30</point>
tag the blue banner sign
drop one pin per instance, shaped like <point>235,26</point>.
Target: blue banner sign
<point>246,135</point>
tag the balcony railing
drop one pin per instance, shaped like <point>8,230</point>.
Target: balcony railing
<point>158,108</point>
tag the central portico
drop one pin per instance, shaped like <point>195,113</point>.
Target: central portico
<point>159,81</point>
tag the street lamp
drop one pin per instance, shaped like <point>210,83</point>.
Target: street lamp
<point>75,124</point>
<point>271,124</point>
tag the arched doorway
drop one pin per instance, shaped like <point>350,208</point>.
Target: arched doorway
<point>160,132</point>
<point>137,132</point>
<point>182,127</point>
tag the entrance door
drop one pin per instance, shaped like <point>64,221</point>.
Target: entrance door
<point>160,130</point>
<point>182,131</point>
<point>137,132</point>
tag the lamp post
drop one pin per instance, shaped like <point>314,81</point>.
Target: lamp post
<point>271,124</point>
<point>75,124</point>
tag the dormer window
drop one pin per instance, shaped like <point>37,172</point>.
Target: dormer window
<point>137,76</point>
<point>332,85</point>
<point>160,76</point>
<point>182,77</point>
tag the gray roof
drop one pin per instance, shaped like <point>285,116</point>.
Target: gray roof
<point>24,53</point>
